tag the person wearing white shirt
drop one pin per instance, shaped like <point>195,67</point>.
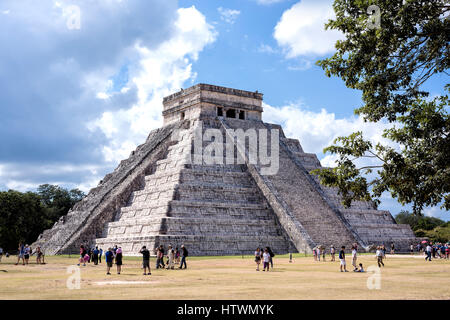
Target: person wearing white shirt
<point>379,255</point>
<point>428,252</point>
<point>354,258</point>
<point>266,259</point>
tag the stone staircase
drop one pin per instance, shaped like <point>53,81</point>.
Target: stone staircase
<point>212,209</point>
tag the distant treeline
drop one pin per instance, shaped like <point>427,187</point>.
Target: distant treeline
<point>24,216</point>
<point>435,229</point>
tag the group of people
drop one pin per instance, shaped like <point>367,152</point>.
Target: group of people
<point>115,256</point>
<point>265,256</point>
<point>435,250</point>
<point>173,256</point>
<point>112,255</point>
<point>24,253</point>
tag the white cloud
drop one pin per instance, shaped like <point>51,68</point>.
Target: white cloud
<point>228,15</point>
<point>317,130</point>
<point>265,48</point>
<point>301,30</point>
<point>160,71</point>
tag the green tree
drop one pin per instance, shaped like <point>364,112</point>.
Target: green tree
<point>418,222</point>
<point>390,64</point>
<point>23,216</point>
<point>58,200</point>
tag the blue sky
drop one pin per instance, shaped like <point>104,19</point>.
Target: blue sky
<point>82,80</point>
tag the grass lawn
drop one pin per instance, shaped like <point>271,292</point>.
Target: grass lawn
<point>403,277</point>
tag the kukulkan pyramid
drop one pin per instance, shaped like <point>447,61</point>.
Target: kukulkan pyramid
<point>194,182</point>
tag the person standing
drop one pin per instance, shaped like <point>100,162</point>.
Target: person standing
<point>266,260</point>
<point>21,253</point>
<point>392,248</point>
<point>342,259</point>
<point>145,260</point>
<point>354,258</point>
<point>323,253</point>
<point>109,255</point>
<point>119,259</point>
<point>257,258</point>
<point>271,257</point>
<point>318,253</point>
<point>185,254</point>
<point>26,254</point>
<point>177,255</point>
<point>332,252</point>
<point>170,257</point>
<point>95,256</point>
<point>100,253</point>
<point>161,257</point>
<point>38,255</point>
<point>379,255</point>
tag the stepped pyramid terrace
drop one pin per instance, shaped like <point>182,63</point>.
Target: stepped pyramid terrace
<point>219,180</point>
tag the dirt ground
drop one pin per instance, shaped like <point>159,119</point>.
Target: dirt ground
<point>229,278</point>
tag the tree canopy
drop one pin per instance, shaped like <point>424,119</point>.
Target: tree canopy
<point>390,63</point>
<point>24,216</point>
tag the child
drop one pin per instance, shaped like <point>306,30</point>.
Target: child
<point>361,269</point>
<point>266,258</point>
<point>342,259</point>
<point>258,258</point>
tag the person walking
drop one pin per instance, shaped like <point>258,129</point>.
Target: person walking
<point>342,259</point>
<point>161,257</point>
<point>145,260</point>
<point>184,255</point>
<point>428,252</point>
<point>379,255</point>
<point>332,252</point>
<point>109,256</point>
<point>119,259</point>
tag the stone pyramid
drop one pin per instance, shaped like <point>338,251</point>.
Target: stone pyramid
<point>223,201</point>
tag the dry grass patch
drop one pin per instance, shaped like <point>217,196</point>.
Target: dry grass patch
<point>228,278</point>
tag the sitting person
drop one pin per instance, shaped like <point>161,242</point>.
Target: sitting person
<point>361,268</point>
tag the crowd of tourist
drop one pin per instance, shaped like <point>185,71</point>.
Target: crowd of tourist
<point>175,256</point>
<point>115,256</point>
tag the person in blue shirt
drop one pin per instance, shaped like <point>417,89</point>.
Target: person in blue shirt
<point>95,256</point>
<point>109,255</point>
<point>100,255</point>
<point>21,254</point>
